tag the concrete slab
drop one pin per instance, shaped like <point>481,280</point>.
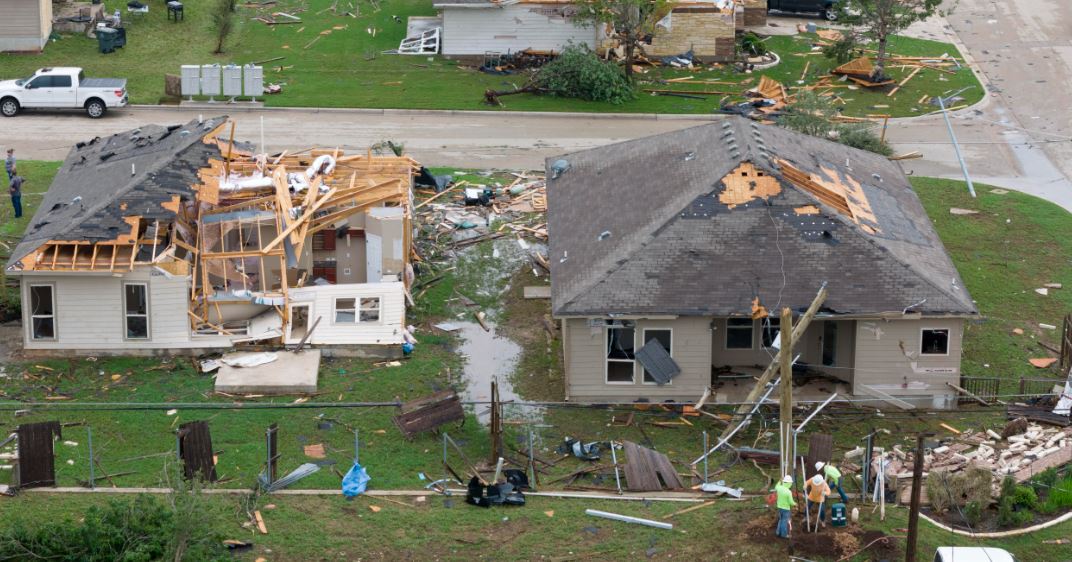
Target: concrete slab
<point>291,373</point>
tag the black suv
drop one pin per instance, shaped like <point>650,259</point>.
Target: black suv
<point>825,8</point>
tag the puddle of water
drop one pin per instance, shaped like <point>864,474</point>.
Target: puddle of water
<point>488,357</point>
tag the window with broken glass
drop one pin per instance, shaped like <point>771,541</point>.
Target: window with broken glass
<point>769,328</point>
<point>345,311</point>
<point>136,310</point>
<point>665,338</point>
<point>42,313</point>
<point>934,342</point>
<point>621,357</point>
<point>739,333</point>
<point>370,309</point>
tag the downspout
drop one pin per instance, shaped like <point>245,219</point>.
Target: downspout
<point>566,357</point>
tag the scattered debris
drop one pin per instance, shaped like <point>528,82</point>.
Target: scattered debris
<point>629,519</point>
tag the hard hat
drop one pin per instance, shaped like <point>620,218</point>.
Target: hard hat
<point>787,479</point>
<point>819,465</point>
<point>817,480</point>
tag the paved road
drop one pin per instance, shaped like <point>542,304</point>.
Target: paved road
<point>1022,48</point>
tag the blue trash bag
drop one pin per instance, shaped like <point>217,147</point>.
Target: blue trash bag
<point>355,482</point>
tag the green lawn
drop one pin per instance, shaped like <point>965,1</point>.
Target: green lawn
<point>345,68</point>
<point>987,249</point>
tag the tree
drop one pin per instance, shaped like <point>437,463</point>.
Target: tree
<point>223,21</point>
<point>630,20</point>
<point>881,19</point>
<point>576,73</point>
<point>814,115</point>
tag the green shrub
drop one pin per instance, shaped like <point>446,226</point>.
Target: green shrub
<point>580,73</point>
<point>844,50</point>
<point>973,512</point>
<point>814,115</point>
<point>1015,503</point>
<point>1058,494</point>
<point>140,530</point>
<point>751,45</point>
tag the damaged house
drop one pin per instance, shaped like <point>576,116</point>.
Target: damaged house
<point>164,239</point>
<point>473,28</point>
<point>671,257</point>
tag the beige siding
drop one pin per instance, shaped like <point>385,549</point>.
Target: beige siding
<point>888,358</point>
<point>691,350</point>
<point>707,32</point>
<point>24,24</point>
<point>513,28</point>
<point>89,312</point>
<point>388,331</point>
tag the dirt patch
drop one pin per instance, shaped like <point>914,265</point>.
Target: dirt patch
<point>826,543</point>
<point>538,375</point>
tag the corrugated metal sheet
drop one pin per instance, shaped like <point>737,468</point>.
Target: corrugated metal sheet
<point>36,458</point>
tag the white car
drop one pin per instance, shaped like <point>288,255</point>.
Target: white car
<point>972,554</point>
<point>62,88</point>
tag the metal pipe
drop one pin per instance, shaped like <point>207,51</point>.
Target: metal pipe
<point>956,146</point>
<point>770,388</point>
<point>614,458</point>
<point>357,447</point>
<point>814,413</point>
<point>89,440</point>
<point>628,519</point>
<point>705,476</point>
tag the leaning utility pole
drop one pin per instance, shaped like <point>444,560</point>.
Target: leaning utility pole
<point>785,415</point>
<point>761,384</point>
<point>917,486</point>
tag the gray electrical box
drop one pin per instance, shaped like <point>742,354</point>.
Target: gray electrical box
<point>253,80</point>
<point>190,75</point>
<point>232,81</point>
<point>210,80</point>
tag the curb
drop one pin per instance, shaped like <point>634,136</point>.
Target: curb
<point>237,108</point>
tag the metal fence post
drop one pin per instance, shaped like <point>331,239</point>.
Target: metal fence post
<point>89,440</point>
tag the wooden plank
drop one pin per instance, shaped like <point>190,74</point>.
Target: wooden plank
<point>967,393</point>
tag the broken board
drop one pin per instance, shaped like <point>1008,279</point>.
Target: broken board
<point>648,471</point>
<point>429,412</point>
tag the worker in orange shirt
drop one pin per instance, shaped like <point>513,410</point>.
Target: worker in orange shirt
<point>817,490</point>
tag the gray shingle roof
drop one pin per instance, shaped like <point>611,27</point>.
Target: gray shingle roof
<point>637,227</point>
<point>165,163</point>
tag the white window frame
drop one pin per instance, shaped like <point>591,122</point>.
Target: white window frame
<point>751,340</point>
<point>948,340</point>
<point>361,308</point>
<point>762,328</point>
<point>55,323</point>
<point>608,360</point>
<point>644,341</point>
<point>335,311</point>
<point>127,315</point>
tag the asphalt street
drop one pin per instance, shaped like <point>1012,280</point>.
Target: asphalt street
<point>1017,138</point>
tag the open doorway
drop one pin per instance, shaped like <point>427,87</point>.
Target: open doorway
<point>299,321</point>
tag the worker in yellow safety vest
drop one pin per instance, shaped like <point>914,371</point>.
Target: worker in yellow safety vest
<point>785,502</point>
<point>833,477</point>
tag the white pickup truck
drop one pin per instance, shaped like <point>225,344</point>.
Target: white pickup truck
<point>62,88</point>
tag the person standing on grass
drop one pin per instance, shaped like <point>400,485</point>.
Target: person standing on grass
<point>9,164</point>
<point>15,190</point>
<point>817,491</point>
<point>785,503</point>
<point>833,477</point>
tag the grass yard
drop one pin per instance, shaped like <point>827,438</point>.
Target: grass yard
<point>988,248</point>
<point>344,68</point>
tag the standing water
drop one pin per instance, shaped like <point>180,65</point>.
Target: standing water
<point>488,357</point>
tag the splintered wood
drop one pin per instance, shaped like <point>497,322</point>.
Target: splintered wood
<point>746,183</point>
<point>842,192</point>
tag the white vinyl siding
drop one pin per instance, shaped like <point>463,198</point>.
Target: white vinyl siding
<point>90,312</point>
<point>889,358</point>
<point>386,330</point>
<point>509,29</point>
<point>587,354</point>
<point>24,24</point>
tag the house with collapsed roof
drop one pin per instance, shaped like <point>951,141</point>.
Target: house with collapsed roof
<point>667,253</point>
<point>472,28</point>
<point>171,239</point>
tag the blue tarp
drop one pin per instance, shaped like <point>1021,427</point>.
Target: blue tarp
<point>355,482</point>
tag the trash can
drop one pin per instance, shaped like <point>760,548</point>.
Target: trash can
<point>837,515</point>
<point>120,37</point>
<point>106,38</point>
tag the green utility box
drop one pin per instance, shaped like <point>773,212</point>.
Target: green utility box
<point>837,515</point>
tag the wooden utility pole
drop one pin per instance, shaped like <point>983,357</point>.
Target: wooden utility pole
<point>917,486</point>
<point>785,415</point>
<point>761,383</point>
